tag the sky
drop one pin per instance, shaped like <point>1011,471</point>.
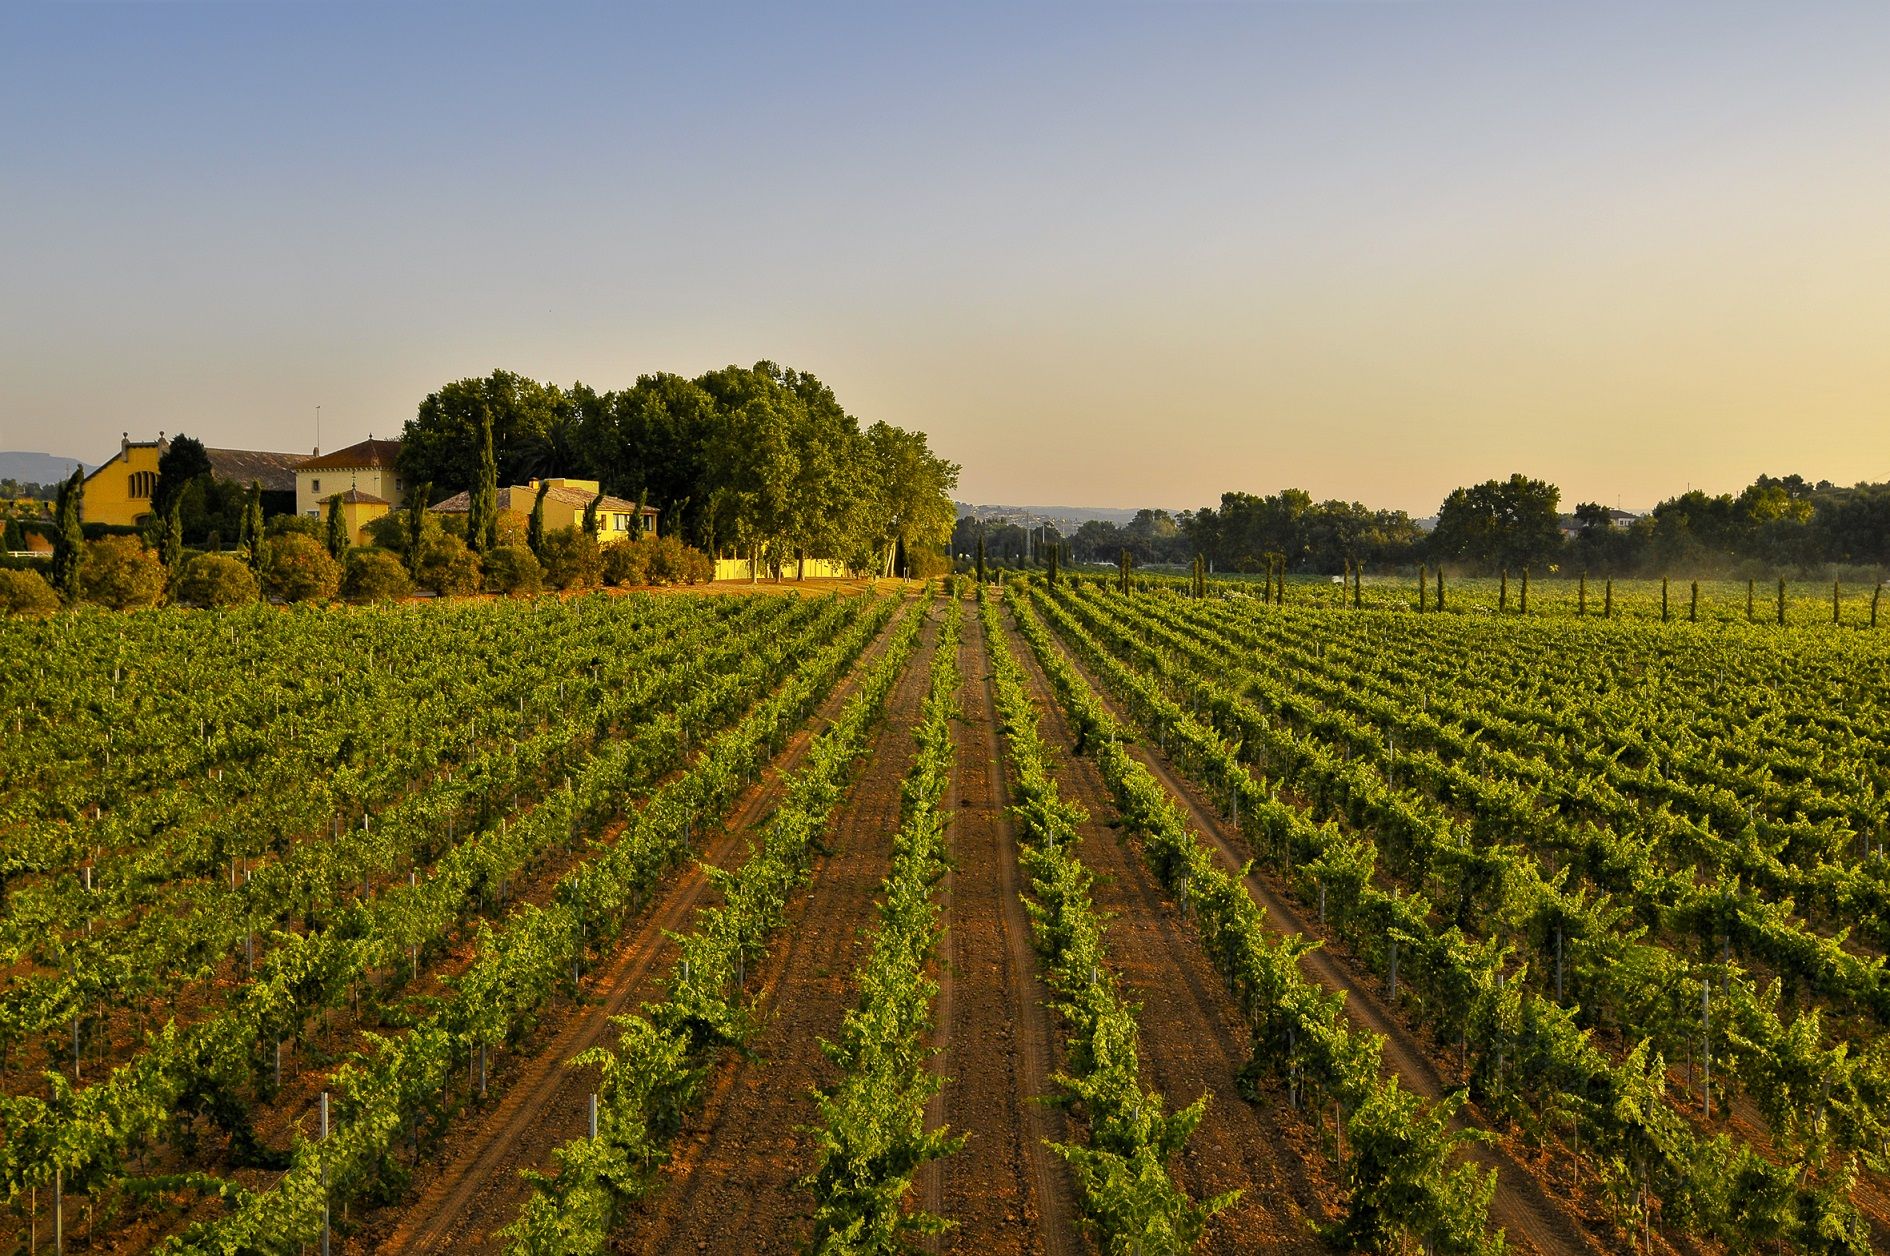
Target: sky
<point>1110,255</point>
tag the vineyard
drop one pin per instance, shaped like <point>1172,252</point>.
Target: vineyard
<point>1134,916</point>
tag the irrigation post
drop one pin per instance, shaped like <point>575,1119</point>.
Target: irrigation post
<point>593,1116</point>
<point>59,1209</point>
<point>325,1229</point>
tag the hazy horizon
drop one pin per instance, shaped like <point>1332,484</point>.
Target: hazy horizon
<point>1114,256</point>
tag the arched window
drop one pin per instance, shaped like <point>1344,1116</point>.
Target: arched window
<point>143,484</point>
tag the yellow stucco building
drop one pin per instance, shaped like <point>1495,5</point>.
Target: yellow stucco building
<point>565,503</point>
<point>119,493</point>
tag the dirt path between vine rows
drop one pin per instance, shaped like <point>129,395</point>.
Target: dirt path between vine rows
<point>730,1187</point>
<point>1193,1039</point>
<point>1006,1191</point>
<point>1531,1212</point>
<point>471,1186</point>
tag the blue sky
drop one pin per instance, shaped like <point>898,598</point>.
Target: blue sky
<point>1114,255</point>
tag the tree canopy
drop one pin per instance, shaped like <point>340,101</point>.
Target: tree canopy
<point>760,460</point>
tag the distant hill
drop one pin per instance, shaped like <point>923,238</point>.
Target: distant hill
<point>31,468</point>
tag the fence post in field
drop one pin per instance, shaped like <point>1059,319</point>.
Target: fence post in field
<point>325,1227</point>
<point>1663,599</point>
<point>1781,601</point>
<point>1693,607</point>
<point>1581,596</point>
<point>1502,593</point>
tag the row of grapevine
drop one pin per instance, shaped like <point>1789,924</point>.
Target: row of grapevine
<point>1400,1178</point>
<point>1128,1198</point>
<point>1650,989</point>
<point>184,939</point>
<point>654,1074</point>
<point>87,1134</point>
<point>1528,1048</point>
<point>397,1089</point>
<point>870,1130</point>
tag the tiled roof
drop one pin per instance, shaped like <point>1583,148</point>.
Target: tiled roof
<point>366,453</point>
<point>275,472</point>
<point>355,497</point>
<point>520,499</point>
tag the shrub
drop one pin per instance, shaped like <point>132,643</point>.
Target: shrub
<point>447,567</point>
<point>375,575</point>
<point>299,568</point>
<point>512,569</point>
<point>513,527</point>
<point>672,562</point>
<point>121,572</point>
<point>626,563</point>
<point>298,525</point>
<point>211,580</point>
<point>572,559</point>
<point>26,593</point>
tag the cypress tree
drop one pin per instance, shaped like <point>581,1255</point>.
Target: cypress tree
<point>1524,607</point>
<point>1836,614</point>
<point>1751,587</point>
<point>1358,585</point>
<point>253,525</point>
<point>482,517</point>
<point>1581,597</point>
<point>1502,592</point>
<point>1663,599</point>
<point>1124,585</point>
<point>593,506</point>
<point>337,529</point>
<point>69,538</point>
<point>535,527</point>
<point>1693,606</point>
<point>1875,597</point>
<point>171,543</point>
<point>1050,567</point>
<point>1423,579</point>
<point>980,558</point>
<point>1607,601</point>
<point>1781,601</point>
<point>1440,589</point>
<point>416,520</point>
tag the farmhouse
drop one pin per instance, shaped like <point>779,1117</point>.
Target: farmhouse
<point>119,492</point>
<point>565,503</point>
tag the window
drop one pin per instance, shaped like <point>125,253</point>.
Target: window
<point>143,484</point>
<point>314,486</point>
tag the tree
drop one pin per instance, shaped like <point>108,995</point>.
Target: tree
<point>300,569</point>
<point>910,503</point>
<point>572,559</point>
<point>122,573</point>
<point>531,426</point>
<point>26,594</point>
<point>337,531</point>
<point>535,529</point>
<point>416,522</point>
<point>253,527</point>
<point>512,569</point>
<point>590,514</point>
<point>171,543</point>
<point>446,567</point>
<point>482,518</point>
<point>375,575</point>
<point>1500,523</point>
<point>214,580</point>
<point>183,463</point>
<point>69,538</point>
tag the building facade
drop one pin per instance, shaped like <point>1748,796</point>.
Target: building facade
<point>120,492</point>
<point>366,467</point>
<point>565,503</point>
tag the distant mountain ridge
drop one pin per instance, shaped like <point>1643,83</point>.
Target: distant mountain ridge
<point>37,468</point>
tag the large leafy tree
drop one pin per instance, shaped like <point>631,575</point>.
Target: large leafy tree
<point>1500,523</point>
<point>910,499</point>
<point>533,432</point>
<point>182,464</point>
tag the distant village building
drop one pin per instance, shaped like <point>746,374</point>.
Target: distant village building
<point>565,503</point>
<point>119,493</point>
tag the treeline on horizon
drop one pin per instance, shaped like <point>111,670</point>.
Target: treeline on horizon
<point>758,461</point>
<point>1775,525</point>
